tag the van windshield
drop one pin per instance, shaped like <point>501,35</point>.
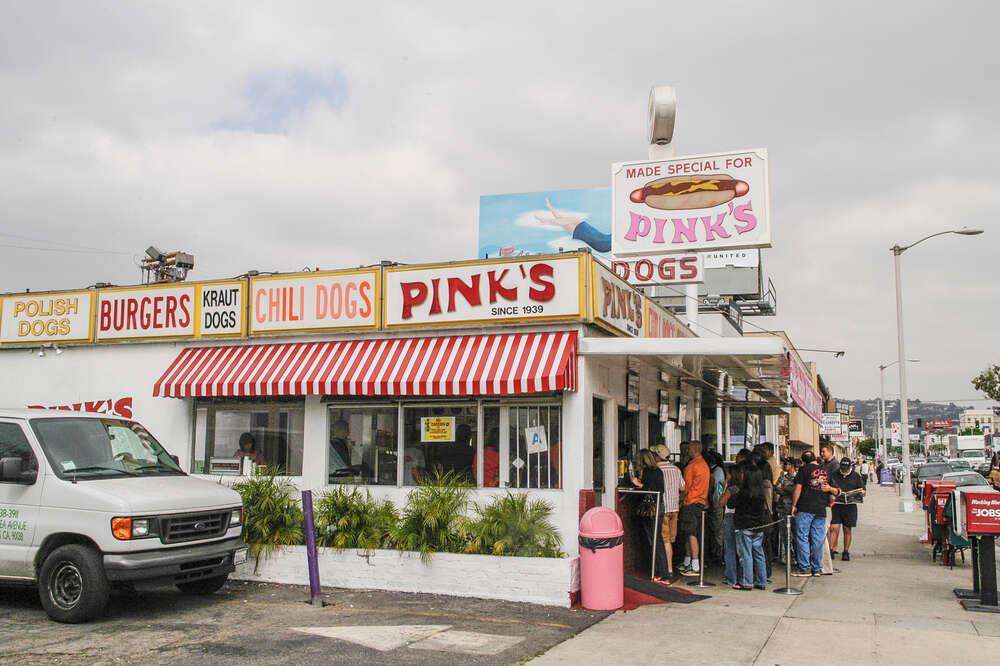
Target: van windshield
<point>80,448</point>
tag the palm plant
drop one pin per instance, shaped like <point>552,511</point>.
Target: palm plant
<point>512,524</point>
<point>273,515</point>
<point>434,517</point>
<point>346,518</point>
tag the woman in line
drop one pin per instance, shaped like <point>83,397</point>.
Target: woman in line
<point>651,478</point>
<point>751,507</point>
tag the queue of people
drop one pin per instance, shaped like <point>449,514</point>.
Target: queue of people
<point>745,506</point>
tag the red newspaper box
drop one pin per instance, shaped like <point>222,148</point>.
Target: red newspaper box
<point>981,525</point>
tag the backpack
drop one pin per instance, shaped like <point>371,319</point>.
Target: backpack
<point>715,486</point>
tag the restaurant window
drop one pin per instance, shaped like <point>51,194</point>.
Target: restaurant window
<point>522,446</point>
<point>439,438</point>
<point>362,445</point>
<point>268,432</point>
<point>655,430</point>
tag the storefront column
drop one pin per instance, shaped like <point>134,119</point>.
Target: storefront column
<point>728,418</point>
<point>721,445</point>
<point>696,420</point>
<point>315,444</point>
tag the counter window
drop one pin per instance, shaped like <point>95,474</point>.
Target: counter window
<point>363,445</point>
<point>267,432</point>
<point>439,438</point>
<point>522,446</point>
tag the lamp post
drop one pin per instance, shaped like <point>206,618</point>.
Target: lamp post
<point>906,504</point>
<point>881,380</point>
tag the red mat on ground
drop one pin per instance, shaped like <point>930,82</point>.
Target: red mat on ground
<point>634,598</point>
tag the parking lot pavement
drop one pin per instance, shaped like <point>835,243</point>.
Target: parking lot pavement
<point>264,623</point>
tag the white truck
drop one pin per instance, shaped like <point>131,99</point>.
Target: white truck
<point>90,502</point>
<point>970,448</point>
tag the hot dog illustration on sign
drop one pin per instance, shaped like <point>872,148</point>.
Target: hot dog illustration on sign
<point>688,193</point>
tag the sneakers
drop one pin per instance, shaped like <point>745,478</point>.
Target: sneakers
<point>817,572</point>
<point>845,557</point>
<point>688,571</point>
<point>802,573</point>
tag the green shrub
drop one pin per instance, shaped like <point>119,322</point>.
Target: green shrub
<point>273,515</point>
<point>346,518</point>
<point>434,517</point>
<point>512,524</point>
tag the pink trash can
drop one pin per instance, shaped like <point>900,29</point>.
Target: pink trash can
<point>602,564</point>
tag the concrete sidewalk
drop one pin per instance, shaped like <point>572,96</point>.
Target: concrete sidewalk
<point>889,605</point>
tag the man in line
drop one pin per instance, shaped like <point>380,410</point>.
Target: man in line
<point>809,502</point>
<point>673,484</point>
<point>850,489</point>
<point>831,466</point>
<point>693,506</point>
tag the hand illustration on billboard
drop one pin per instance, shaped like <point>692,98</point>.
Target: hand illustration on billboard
<point>577,226</point>
<point>687,193</point>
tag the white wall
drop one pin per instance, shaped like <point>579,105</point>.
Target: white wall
<point>97,374</point>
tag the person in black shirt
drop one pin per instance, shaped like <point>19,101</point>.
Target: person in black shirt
<point>750,505</point>
<point>849,489</point>
<point>652,526</point>
<point>809,502</point>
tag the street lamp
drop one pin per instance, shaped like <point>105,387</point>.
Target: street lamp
<point>881,380</point>
<point>905,504</point>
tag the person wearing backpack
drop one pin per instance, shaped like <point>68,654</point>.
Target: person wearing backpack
<point>716,508</point>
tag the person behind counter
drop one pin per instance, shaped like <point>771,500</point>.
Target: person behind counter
<point>248,449</point>
<point>651,478</point>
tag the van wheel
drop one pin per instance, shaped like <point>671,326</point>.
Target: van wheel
<point>72,585</point>
<point>203,586</point>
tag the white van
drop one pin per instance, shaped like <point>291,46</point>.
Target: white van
<point>88,502</point>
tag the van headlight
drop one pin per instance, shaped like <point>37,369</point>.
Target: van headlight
<point>124,529</point>
<point>236,517</point>
<point>140,528</point>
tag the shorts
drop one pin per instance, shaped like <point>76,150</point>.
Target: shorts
<point>844,514</point>
<point>669,529</point>
<point>689,519</point>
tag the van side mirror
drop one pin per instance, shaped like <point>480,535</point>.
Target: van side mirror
<point>176,459</point>
<point>12,471</point>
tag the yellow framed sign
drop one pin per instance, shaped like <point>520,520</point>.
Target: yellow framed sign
<point>314,302</point>
<point>56,317</point>
<point>519,289</point>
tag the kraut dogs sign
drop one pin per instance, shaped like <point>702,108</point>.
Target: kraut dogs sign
<point>706,202</point>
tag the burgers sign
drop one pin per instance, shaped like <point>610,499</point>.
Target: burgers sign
<point>705,202</point>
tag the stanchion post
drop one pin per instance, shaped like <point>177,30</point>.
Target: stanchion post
<point>701,554</point>
<point>316,598</point>
<point>788,589</point>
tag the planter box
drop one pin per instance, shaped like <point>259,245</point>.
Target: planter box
<point>537,580</point>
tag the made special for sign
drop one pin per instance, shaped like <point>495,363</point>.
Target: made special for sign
<point>519,289</point>
<point>55,317</point>
<point>318,301</point>
<point>704,202</point>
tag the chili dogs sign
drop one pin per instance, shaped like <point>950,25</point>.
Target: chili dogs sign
<point>497,291</point>
<point>705,202</point>
<point>42,318</point>
<point>315,302</point>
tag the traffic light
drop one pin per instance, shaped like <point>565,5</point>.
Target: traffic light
<point>920,423</point>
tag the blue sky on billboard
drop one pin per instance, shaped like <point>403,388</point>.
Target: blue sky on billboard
<point>545,222</point>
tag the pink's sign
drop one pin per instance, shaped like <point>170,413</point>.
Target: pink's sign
<point>803,392</point>
<point>703,202</point>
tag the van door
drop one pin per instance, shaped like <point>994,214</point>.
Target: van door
<point>19,504</point>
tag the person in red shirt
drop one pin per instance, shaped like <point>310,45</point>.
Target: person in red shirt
<point>491,460</point>
<point>694,502</point>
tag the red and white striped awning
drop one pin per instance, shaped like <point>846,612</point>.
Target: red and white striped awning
<point>443,366</point>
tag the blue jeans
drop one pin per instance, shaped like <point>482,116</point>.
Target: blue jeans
<point>729,546</point>
<point>809,532</point>
<point>752,564</point>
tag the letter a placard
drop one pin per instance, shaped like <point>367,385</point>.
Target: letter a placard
<point>537,439</point>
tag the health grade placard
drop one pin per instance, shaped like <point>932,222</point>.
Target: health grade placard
<point>704,202</point>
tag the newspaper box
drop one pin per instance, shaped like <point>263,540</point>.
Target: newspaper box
<point>977,510</point>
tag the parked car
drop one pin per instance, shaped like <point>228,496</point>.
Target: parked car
<point>89,502</point>
<point>927,472</point>
<point>965,479</point>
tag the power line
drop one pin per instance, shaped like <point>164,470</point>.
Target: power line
<point>59,249</point>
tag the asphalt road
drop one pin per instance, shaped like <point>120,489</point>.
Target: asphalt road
<point>262,623</point>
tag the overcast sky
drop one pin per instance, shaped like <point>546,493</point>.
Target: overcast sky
<point>278,136</point>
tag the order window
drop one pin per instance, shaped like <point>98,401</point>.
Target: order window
<point>268,432</point>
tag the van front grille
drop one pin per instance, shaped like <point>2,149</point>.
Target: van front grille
<point>193,526</point>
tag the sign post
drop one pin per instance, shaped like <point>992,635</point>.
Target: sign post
<point>982,524</point>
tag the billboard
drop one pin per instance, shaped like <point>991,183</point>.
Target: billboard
<point>703,202</point>
<point>545,222</point>
<point>940,424</point>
